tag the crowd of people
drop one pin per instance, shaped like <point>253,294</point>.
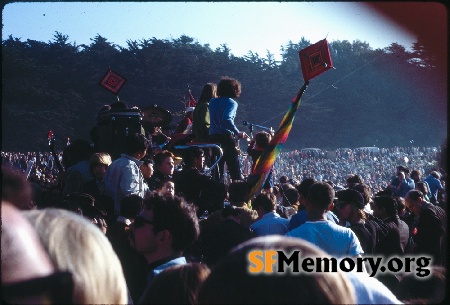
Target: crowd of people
<point>155,226</point>
<point>376,169</point>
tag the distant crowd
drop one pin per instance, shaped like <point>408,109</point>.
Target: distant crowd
<point>376,169</point>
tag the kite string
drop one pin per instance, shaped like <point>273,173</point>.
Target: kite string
<point>326,88</point>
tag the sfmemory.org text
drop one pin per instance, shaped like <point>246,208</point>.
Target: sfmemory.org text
<point>273,261</point>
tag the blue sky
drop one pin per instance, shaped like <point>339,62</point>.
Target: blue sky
<point>255,26</point>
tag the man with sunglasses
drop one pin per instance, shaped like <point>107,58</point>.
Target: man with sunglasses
<point>163,230</point>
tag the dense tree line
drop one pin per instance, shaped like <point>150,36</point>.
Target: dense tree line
<point>376,97</point>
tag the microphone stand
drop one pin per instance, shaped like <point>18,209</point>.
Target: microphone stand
<point>250,130</point>
<point>250,126</point>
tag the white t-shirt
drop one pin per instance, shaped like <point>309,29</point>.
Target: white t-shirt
<point>271,223</point>
<point>334,239</point>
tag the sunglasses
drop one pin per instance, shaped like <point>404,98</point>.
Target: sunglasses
<point>140,221</point>
<point>58,286</point>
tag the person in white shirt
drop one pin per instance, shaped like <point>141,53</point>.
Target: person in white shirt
<point>124,177</point>
<point>334,239</point>
<point>270,222</point>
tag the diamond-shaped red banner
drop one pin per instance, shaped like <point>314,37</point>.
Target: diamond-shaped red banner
<point>112,81</point>
<point>315,59</point>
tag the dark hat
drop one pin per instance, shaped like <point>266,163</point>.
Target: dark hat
<point>351,196</point>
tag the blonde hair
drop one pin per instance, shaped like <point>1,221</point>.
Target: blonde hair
<point>76,245</point>
<point>102,158</point>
